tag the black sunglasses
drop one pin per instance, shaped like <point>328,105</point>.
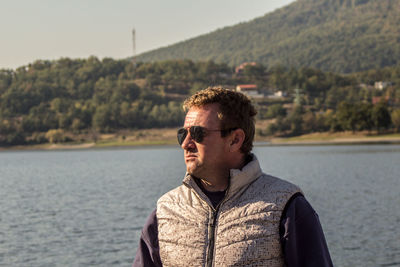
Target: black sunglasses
<point>197,133</point>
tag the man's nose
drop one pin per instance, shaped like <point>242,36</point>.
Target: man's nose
<point>188,143</point>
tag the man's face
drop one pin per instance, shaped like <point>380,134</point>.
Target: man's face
<point>208,158</point>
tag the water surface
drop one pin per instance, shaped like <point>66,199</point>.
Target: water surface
<point>86,208</point>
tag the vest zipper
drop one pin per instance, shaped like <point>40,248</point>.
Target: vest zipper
<point>211,226</point>
<point>211,234</point>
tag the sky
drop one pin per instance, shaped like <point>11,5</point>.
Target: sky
<point>52,29</point>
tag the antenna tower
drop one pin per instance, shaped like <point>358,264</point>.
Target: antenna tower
<point>134,47</point>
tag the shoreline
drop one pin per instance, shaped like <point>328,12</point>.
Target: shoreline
<point>338,139</point>
<point>157,139</point>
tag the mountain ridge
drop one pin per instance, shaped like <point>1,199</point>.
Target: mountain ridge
<point>332,35</point>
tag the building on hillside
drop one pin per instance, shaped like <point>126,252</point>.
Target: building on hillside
<point>250,90</point>
<point>280,94</point>
<point>378,99</point>
<point>277,94</point>
<point>382,85</point>
<point>366,86</point>
<point>229,87</point>
<point>239,69</point>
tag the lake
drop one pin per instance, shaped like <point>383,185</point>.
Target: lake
<point>87,207</point>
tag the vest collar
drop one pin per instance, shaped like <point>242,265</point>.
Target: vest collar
<point>239,178</point>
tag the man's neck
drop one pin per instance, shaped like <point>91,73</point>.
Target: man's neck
<point>240,161</point>
<point>220,181</point>
<point>220,185</point>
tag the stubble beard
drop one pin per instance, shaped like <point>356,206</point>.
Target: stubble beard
<point>194,168</point>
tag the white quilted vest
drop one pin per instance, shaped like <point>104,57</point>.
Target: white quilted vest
<point>242,231</point>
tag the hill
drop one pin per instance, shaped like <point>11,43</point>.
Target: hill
<point>81,100</point>
<point>332,35</point>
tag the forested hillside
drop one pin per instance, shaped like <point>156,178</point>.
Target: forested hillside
<point>332,35</point>
<point>74,100</point>
<point>89,95</point>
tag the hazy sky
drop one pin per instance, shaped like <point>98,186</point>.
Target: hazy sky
<point>51,29</point>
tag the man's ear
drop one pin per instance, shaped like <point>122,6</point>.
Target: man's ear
<point>236,140</point>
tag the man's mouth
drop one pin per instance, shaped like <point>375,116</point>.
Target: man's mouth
<point>190,156</point>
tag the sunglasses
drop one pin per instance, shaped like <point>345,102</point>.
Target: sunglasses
<point>197,133</point>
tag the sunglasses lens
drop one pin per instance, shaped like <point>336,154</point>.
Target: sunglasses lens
<point>197,133</point>
<point>182,133</point>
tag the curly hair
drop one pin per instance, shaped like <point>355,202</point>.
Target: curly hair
<point>236,111</point>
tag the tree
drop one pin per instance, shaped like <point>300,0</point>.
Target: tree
<point>271,129</point>
<point>254,72</point>
<point>396,119</point>
<point>5,79</point>
<point>55,136</point>
<point>381,116</point>
<point>102,118</point>
<point>309,124</point>
<point>364,116</point>
<point>354,117</point>
<point>295,120</point>
<point>13,139</point>
<point>275,110</point>
<point>345,116</point>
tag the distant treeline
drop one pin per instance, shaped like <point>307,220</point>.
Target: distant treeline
<point>54,100</point>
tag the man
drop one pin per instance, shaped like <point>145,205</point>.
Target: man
<point>227,212</point>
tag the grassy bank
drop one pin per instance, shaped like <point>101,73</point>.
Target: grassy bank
<point>338,138</point>
<point>125,138</point>
<point>167,136</point>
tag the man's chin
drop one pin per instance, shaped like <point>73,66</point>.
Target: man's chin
<point>192,169</point>
<point>191,172</point>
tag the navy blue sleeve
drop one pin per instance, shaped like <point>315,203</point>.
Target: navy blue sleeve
<point>303,241</point>
<point>148,254</point>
